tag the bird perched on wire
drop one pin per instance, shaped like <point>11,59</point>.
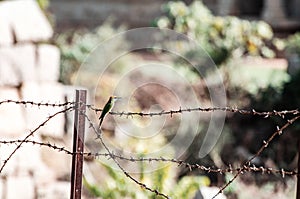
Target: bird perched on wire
<point>108,106</point>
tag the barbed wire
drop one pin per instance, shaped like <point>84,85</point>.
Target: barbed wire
<point>41,144</point>
<point>278,131</point>
<point>99,136</point>
<point>199,109</point>
<point>245,167</point>
<point>37,103</point>
<point>189,166</point>
<point>265,114</point>
<point>31,133</point>
<point>181,110</point>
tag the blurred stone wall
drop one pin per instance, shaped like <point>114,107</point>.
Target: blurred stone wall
<point>140,13</point>
<point>29,70</point>
<point>92,13</point>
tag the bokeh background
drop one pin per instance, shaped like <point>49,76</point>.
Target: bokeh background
<point>255,46</point>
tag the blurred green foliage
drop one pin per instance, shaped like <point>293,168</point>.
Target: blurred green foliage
<point>117,185</point>
<point>76,46</point>
<point>291,93</point>
<point>161,176</point>
<point>284,94</point>
<point>279,95</point>
<point>221,37</point>
<point>293,44</point>
<point>44,4</point>
<point>253,79</point>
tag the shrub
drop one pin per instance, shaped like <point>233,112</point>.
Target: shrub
<point>221,37</point>
<point>76,46</point>
<point>293,44</point>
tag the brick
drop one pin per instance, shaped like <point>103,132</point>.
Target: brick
<point>12,165</point>
<point>27,160</point>
<point>48,63</point>
<point>28,21</point>
<point>6,34</point>
<point>8,75</point>
<point>47,93</point>
<point>57,161</point>
<point>17,64</point>
<point>41,172</point>
<point>20,187</point>
<point>12,121</point>
<point>55,190</point>
<point>1,185</point>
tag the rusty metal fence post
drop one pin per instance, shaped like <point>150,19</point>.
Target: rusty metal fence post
<point>298,176</point>
<point>78,144</point>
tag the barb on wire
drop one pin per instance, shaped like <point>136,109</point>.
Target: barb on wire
<point>31,133</point>
<point>191,167</point>
<point>37,103</point>
<point>165,112</point>
<point>45,144</point>
<point>199,109</point>
<point>111,155</point>
<point>230,169</point>
<point>261,149</point>
<point>245,167</point>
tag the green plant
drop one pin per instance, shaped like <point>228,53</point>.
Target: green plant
<point>221,37</point>
<point>160,176</point>
<point>189,185</point>
<point>76,46</point>
<point>292,45</point>
<point>44,4</point>
<point>117,185</point>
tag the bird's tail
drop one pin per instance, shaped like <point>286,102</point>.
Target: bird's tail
<point>100,123</point>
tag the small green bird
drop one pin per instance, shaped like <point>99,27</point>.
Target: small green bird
<point>108,106</point>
